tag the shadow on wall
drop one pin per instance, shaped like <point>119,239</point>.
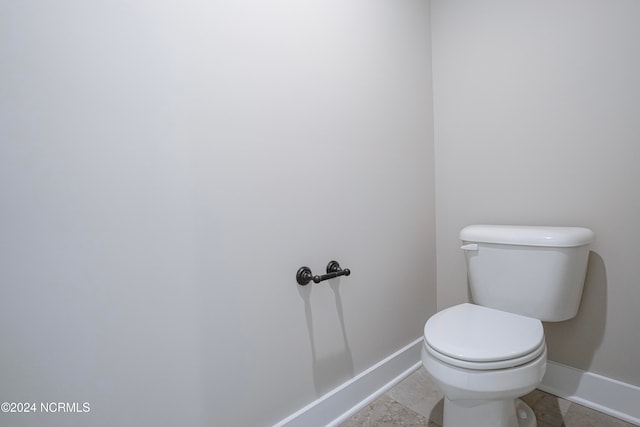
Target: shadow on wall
<point>332,362</point>
<point>575,341</point>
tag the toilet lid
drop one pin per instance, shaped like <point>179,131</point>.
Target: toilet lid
<point>474,333</point>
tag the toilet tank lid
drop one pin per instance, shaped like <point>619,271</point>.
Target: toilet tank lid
<point>528,235</point>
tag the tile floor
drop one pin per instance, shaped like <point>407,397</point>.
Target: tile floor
<point>417,402</point>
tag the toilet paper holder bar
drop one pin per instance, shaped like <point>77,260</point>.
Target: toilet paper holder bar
<point>304,274</point>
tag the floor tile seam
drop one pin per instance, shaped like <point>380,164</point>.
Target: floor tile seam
<point>414,412</point>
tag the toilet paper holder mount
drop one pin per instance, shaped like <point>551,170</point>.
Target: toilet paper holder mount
<point>304,274</point>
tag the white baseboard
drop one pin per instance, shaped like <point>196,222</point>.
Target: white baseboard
<point>594,391</point>
<point>344,401</point>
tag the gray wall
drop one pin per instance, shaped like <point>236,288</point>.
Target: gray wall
<point>537,108</point>
<point>166,167</point>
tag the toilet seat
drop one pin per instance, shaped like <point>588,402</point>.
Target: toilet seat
<point>481,338</point>
<point>485,366</point>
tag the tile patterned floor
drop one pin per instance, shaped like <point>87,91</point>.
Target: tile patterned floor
<point>417,402</point>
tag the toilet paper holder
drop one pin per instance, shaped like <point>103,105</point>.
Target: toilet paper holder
<point>304,274</point>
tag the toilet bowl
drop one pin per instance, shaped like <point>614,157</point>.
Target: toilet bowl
<point>484,355</point>
<point>482,359</point>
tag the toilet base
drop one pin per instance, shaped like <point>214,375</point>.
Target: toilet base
<point>488,413</point>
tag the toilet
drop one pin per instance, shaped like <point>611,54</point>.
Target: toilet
<point>484,355</point>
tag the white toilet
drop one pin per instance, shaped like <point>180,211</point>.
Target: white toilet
<point>484,355</point>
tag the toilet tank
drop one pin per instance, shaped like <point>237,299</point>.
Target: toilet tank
<point>534,271</point>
